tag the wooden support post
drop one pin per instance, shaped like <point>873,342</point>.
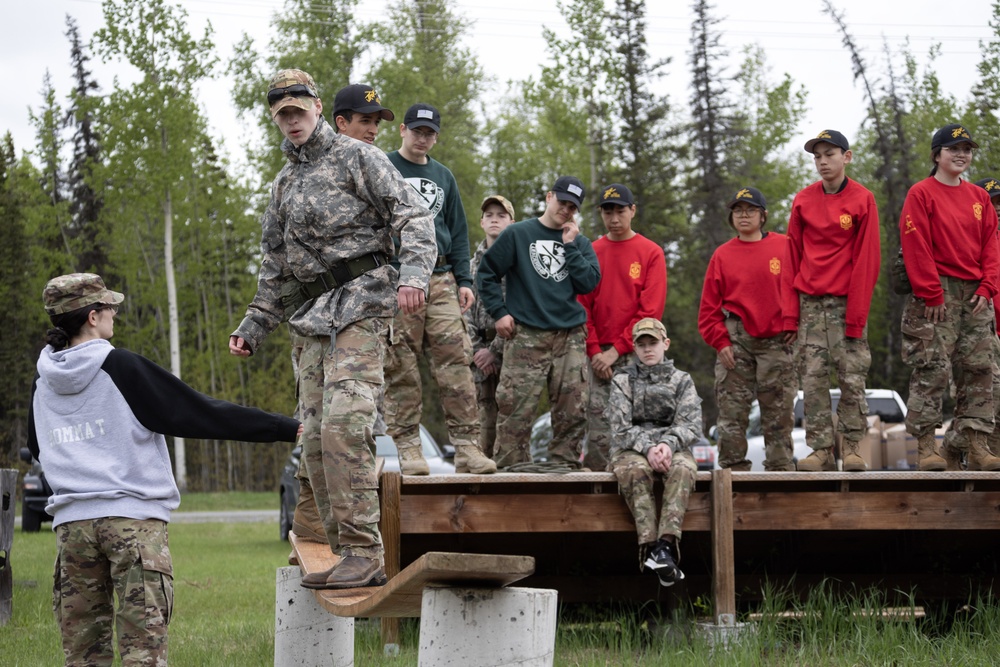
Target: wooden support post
<point>391,483</point>
<point>723,558</point>
<point>8,505</point>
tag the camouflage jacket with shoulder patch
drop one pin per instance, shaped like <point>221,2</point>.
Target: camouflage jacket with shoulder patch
<point>334,200</point>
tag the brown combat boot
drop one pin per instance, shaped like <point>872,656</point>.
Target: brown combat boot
<point>468,458</point>
<point>412,461</point>
<point>349,572</point>
<point>927,455</point>
<point>819,460</point>
<point>979,455</point>
<point>853,461</point>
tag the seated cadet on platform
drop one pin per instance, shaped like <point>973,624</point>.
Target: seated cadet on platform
<point>655,417</point>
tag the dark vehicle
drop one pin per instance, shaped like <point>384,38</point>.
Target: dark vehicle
<point>541,436</point>
<point>35,494</point>
<point>441,461</point>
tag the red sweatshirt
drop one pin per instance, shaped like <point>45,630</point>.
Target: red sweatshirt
<point>949,230</point>
<point>633,286</point>
<point>745,279</point>
<point>833,249</point>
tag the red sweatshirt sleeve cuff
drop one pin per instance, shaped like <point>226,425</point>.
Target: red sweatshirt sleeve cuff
<point>790,325</point>
<point>592,349</point>
<point>854,331</point>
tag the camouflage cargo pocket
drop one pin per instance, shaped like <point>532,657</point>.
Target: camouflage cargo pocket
<point>918,335</point>
<point>149,594</point>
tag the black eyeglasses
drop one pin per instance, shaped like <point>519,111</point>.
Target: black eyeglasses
<point>298,90</point>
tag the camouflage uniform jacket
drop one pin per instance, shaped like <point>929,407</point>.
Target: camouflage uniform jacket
<point>653,404</point>
<point>337,199</point>
<point>482,327</point>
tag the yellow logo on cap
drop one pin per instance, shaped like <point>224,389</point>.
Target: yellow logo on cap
<point>824,135</point>
<point>992,185</point>
<point>611,193</point>
<point>635,270</point>
<point>959,132</point>
<point>977,210</point>
<point>846,222</point>
<point>372,95</point>
<point>775,266</point>
<point>744,194</point>
<point>910,227</point>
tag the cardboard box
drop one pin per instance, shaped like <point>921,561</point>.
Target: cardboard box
<point>895,445</point>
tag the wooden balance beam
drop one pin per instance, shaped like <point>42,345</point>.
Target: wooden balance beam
<point>401,596</point>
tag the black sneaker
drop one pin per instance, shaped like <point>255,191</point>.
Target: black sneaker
<point>661,561</point>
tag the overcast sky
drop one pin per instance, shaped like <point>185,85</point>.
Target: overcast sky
<point>799,39</point>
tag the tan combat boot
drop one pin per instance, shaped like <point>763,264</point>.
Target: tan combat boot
<point>468,458</point>
<point>979,455</point>
<point>853,461</point>
<point>306,523</point>
<point>952,457</point>
<point>412,461</point>
<point>927,456</point>
<point>349,572</point>
<point>819,460</point>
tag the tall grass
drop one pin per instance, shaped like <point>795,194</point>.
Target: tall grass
<point>224,615</point>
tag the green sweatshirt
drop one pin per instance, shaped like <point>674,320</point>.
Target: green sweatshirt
<point>438,189</point>
<point>543,276</point>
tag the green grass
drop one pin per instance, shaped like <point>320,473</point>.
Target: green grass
<point>231,500</point>
<point>224,615</point>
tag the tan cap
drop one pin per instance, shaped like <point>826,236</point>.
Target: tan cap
<point>649,327</point>
<point>77,290</point>
<point>291,88</point>
<point>498,199</point>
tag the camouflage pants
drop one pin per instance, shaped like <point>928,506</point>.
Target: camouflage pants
<point>823,347</point>
<point>99,560</point>
<point>764,370</point>
<point>598,429</point>
<point>962,342</point>
<point>339,380</point>
<point>486,399</point>
<point>959,439</point>
<point>635,482</point>
<point>306,517</point>
<point>440,330</point>
<point>533,359</point>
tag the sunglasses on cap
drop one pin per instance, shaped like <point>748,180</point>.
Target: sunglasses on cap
<point>298,90</point>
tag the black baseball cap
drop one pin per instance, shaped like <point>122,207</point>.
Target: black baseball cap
<point>991,185</point>
<point>422,115</point>
<point>569,188</point>
<point>749,196</point>
<point>949,135</point>
<point>616,194</point>
<point>361,98</point>
<point>830,137</point>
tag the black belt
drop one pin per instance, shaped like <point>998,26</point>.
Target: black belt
<point>344,272</point>
<point>441,262</point>
<point>733,316</point>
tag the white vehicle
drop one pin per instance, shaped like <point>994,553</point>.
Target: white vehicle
<point>885,403</point>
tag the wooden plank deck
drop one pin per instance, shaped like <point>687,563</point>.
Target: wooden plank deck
<point>740,529</point>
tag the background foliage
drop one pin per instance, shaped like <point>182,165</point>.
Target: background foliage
<point>111,160</point>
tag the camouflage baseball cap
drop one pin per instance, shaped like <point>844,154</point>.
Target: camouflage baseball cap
<point>75,291</point>
<point>649,327</point>
<point>498,199</point>
<point>291,88</point>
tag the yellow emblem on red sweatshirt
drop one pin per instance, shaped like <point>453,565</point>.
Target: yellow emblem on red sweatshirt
<point>977,210</point>
<point>846,222</point>
<point>635,270</point>
<point>775,266</point>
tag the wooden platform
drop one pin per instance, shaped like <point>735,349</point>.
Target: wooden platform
<point>401,597</point>
<point>929,533</point>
